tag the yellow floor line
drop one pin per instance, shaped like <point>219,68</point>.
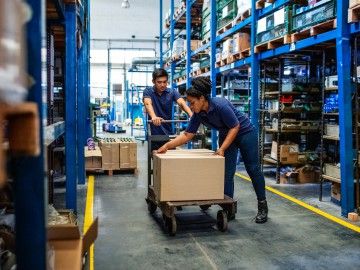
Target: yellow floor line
<point>89,215</point>
<point>307,206</point>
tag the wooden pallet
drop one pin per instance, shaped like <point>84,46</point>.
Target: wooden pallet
<point>175,57</point>
<point>354,14</point>
<point>245,53</point>
<point>260,4</point>
<point>314,30</point>
<point>225,28</point>
<point>246,14</point>
<point>205,41</point>
<point>21,125</point>
<point>112,172</point>
<point>273,44</point>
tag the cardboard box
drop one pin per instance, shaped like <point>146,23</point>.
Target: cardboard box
<point>353,3</point>
<point>69,246</point>
<point>307,174</point>
<point>288,153</point>
<point>336,191</point>
<point>241,42</point>
<point>93,158</point>
<point>289,178</point>
<point>110,155</point>
<point>188,176</point>
<point>332,130</point>
<point>332,170</point>
<point>128,155</point>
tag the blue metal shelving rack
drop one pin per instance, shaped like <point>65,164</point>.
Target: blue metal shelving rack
<point>341,35</point>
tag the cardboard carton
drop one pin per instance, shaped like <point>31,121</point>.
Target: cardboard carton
<point>241,42</point>
<point>110,155</point>
<point>69,246</point>
<point>128,155</point>
<point>93,158</point>
<point>307,174</point>
<point>188,176</point>
<point>289,153</point>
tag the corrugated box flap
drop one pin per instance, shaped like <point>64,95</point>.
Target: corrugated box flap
<point>63,232</point>
<point>90,236</point>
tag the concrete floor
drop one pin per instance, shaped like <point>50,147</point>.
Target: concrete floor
<point>130,238</point>
<point>293,238</point>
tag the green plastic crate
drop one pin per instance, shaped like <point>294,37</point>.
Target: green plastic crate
<point>272,27</point>
<point>304,17</point>
<point>226,14</point>
<point>222,3</point>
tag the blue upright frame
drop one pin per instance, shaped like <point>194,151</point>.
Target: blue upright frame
<point>342,36</point>
<point>29,183</point>
<point>70,107</point>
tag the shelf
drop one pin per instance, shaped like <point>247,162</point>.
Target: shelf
<point>55,10</point>
<point>333,138</point>
<point>240,26</point>
<point>332,114</point>
<point>290,112</point>
<point>270,160</point>
<point>53,132</point>
<point>331,89</point>
<point>289,93</point>
<point>330,178</point>
<point>236,64</point>
<point>290,130</point>
<point>200,49</point>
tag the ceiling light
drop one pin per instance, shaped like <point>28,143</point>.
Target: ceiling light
<point>125,4</point>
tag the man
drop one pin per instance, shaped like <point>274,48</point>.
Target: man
<point>158,102</point>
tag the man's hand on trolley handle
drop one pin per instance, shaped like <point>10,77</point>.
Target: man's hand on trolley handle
<point>157,121</point>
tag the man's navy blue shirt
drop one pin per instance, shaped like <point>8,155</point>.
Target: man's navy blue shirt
<point>162,105</point>
<point>222,116</point>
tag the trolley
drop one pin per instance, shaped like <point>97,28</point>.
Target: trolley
<point>168,208</point>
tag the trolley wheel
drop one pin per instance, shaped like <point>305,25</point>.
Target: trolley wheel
<point>222,221</point>
<point>171,225</point>
<point>205,207</point>
<point>151,207</point>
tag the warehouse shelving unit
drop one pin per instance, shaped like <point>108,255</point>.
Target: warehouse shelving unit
<point>340,36</point>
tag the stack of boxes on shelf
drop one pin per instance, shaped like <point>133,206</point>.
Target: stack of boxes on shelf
<point>291,121</point>
<point>112,154</point>
<point>300,18</point>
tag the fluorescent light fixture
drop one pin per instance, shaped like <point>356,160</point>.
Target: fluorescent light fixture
<point>125,4</point>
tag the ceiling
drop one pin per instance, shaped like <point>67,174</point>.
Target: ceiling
<point>109,21</point>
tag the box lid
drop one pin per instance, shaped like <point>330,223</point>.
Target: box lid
<point>92,153</point>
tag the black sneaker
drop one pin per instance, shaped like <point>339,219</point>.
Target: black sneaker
<point>262,214</point>
<point>179,208</point>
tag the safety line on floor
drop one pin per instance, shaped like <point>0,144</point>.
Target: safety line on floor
<point>307,206</point>
<point>89,215</point>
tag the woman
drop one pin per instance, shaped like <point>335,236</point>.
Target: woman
<point>235,132</point>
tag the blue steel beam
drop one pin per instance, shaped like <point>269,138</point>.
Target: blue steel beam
<point>255,70</point>
<point>172,36</point>
<point>302,44</point>
<point>238,64</point>
<point>87,80</point>
<point>355,28</point>
<point>213,27</point>
<point>343,50</point>
<point>70,107</point>
<point>108,82</point>
<point>29,183</point>
<point>233,30</point>
<point>161,34</point>
<point>188,42</point>
<point>201,49</point>
<point>81,113</point>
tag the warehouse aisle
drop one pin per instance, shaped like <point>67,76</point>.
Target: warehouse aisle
<point>129,238</point>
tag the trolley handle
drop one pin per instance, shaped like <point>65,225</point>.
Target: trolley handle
<point>170,121</point>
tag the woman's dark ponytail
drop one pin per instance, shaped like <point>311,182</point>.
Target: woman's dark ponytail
<point>200,86</point>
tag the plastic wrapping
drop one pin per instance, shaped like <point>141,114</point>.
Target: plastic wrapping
<point>13,16</point>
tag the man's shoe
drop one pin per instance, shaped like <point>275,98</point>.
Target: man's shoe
<point>262,214</point>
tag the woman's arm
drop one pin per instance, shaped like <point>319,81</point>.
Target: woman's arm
<point>230,137</point>
<point>179,140</point>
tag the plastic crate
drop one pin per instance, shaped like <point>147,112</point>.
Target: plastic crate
<point>273,26</point>
<point>222,3</point>
<point>226,14</point>
<point>304,17</point>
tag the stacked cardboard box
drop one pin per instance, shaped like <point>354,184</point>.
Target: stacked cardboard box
<point>93,158</point>
<point>289,153</point>
<point>186,175</point>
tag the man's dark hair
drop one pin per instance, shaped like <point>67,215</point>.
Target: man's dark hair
<point>200,86</point>
<point>160,72</point>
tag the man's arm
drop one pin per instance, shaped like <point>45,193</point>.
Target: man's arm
<point>184,106</point>
<point>179,140</point>
<point>150,110</point>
